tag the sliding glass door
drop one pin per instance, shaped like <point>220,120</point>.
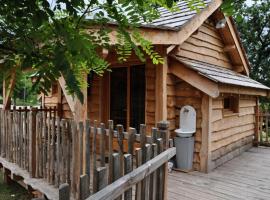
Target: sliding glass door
<point>127,96</point>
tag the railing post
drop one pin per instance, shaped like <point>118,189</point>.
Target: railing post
<point>163,128</point>
<point>257,121</point>
<point>32,143</point>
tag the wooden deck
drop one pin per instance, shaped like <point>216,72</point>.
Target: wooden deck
<point>245,177</point>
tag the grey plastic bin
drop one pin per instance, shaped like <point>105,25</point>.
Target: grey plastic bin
<point>184,152</point>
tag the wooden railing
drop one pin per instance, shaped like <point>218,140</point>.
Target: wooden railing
<point>264,126</point>
<point>82,159</point>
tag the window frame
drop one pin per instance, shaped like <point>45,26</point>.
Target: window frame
<point>233,105</point>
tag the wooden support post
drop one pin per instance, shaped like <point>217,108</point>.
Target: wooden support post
<point>128,169</point>
<point>84,187</point>
<point>32,143</point>
<point>7,178</point>
<point>102,178</point>
<point>161,89</point>
<point>59,100</point>
<point>205,153</point>
<point>257,121</point>
<point>7,90</point>
<point>116,170</point>
<point>87,149</point>
<point>163,128</point>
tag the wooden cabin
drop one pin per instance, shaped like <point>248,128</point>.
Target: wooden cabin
<point>205,66</point>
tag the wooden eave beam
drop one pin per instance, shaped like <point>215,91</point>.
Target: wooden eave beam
<point>193,78</point>
<point>232,89</point>
<point>238,44</point>
<point>228,48</point>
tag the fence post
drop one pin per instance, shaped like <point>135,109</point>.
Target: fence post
<point>32,143</point>
<point>64,192</point>
<point>163,128</point>
<point>257,119</point>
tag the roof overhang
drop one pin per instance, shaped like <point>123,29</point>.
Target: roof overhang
<point>212,85</point>
<point>160,35</point>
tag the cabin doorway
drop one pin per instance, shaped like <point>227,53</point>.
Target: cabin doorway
<point>127,95</point>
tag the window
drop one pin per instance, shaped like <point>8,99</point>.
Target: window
<point>230,105</point>
<point>127,96</point>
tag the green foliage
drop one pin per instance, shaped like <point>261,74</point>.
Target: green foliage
<point>254,27</point>
<point>64,37</point>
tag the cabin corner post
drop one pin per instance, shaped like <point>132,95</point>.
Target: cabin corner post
<point>205,153</point>
<point>257,119</point>
<point>163,128</point>
<point>161,88</point>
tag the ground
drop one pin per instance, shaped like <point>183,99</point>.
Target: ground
<point>12,192</point>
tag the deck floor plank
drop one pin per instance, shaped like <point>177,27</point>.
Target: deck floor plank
<point>246,177</point>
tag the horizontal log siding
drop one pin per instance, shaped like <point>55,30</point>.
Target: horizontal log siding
<point>205,45</point>
<point>180,94</point>
<point>232,134</point>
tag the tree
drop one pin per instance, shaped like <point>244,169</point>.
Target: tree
<point>64,37</point>
<point>254,27</point>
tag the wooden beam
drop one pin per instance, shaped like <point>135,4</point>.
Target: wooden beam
<point>193,78</point>
<point>161,90</point>
<point>205,153</point>
<point>232,89</point>
<point>239,68</point>
<point>7,90</point>
<point>257,121</point>
<point>228,48</point>
<point>80,114</point>
<point>238,44</point>
<point>171,48</point>
<point>59,100</point>
<point>69,98</point>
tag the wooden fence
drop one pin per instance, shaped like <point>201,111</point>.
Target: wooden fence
<point>85,159</point>
<point>263,126</point>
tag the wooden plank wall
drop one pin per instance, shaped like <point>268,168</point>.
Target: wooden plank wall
<point>94,99</point>
<point>231,135</point>
<point>180,94</point>
<point>205,45</point>
<point>150,102</point>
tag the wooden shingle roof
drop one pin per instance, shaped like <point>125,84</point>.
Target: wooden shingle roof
<point>174,20</point>
<point>221,75</point>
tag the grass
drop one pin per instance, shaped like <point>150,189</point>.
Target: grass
<point>13,191</point>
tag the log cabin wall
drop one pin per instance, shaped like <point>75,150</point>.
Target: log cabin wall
<point>232,134</point>
<point>180,94</point>
<point>205,45</point>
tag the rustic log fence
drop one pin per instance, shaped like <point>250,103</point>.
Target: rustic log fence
<point>263,125</point>
<point>85,160</point>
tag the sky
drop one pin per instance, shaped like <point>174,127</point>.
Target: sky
<point>249,2</point>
